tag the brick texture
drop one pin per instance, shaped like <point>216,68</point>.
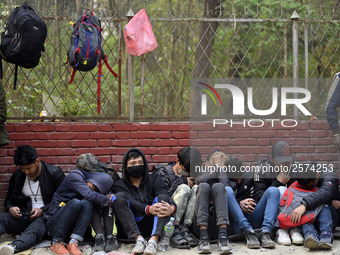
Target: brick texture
<point>60,143</point>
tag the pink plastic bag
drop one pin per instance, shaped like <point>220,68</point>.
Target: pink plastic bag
<point>139,35</point>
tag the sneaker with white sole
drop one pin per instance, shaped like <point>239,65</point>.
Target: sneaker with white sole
<point>326,240</point>
<point>282,237</point>
<point>151,248</point>
<point>7,250</point>
<point>140,246</point>
<point>204,246</point>
<point>296,236</point>
<point>312,241</point>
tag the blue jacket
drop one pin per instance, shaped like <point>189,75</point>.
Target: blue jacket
<point>74,186</point>
<point>331,112</point>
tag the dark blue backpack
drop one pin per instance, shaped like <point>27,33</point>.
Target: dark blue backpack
<point>85,50</point>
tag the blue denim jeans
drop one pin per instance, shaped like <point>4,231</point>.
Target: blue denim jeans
<point>323,222</point>
<point>77,214</point>
<point>264,215</point>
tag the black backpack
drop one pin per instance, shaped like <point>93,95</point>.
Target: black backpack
<point>23,39</point>
<point>85,50</point>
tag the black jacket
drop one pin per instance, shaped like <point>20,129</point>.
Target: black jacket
<point>328,190</point>
<point>245,189</point>
<point>265,180</point>
<point>327,184</point>
<point>150,187</point>
<point>50,179</point>
<point>331,111</point>
<point>171,180</point>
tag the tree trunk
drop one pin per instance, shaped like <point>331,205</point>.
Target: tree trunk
<point>203,53</point>
<point>207,34</point>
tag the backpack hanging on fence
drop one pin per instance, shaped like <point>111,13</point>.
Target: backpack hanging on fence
<point>291,199</point>
<point>23,39</point>
<point>85,50</point>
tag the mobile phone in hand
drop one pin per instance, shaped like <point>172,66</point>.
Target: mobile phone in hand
<point>26,214</point>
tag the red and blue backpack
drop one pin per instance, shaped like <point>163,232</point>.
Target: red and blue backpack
<point>85,50</point>
<point>292,199</point>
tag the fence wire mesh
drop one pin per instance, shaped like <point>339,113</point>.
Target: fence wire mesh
<point>196,39</point>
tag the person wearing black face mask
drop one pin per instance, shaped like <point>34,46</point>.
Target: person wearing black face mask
<point>142,204</point>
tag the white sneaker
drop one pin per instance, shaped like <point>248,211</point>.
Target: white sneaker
<point>296,235</point>
<point>7,250</point>
<point>282,237</point>
<point>140,246</point>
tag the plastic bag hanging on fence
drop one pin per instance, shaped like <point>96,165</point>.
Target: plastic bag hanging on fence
<point>139,36</point>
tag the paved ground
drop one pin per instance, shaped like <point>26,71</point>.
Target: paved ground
<point>238,247</point>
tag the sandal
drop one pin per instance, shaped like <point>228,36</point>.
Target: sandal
<point>178,241</point>
<point>190,238</point>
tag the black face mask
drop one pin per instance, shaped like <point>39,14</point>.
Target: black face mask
<point>136,171</point>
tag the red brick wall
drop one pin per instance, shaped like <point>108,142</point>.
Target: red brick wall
<point>60,143</point>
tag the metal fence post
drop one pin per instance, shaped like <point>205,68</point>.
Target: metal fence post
<point>130,15</point>
<point>306,54</point>
<point>295,18</point>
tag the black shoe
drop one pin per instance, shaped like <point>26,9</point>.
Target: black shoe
<point>252,240</point>
<point>111,243</point>
<point>204,246</point>
<point>99,242</point>
<point>190,238</point>
<point>224,245</point>
<point>266,240</point>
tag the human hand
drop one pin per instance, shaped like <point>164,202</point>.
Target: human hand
<point>297,214</point>
<point>191,181</point>
<point>155,209</point>
<point>110,198</point>
<point>336,204</point>
<point>14,211</point>
<point>336,141</point>
<point>165,209</point>
<point>36,213</point>
<point>247,205</point>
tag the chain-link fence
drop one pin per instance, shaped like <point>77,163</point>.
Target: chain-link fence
<point>198,40</point>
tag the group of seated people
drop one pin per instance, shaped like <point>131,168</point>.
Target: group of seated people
<point>298,206</point>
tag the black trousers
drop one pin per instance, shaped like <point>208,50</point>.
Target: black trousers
<point>127,225</point>
<point>32,232</point>
<point>102,215</point>
<point>210,216</point>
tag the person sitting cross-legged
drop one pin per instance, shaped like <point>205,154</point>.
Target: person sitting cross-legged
<point>30,191</point>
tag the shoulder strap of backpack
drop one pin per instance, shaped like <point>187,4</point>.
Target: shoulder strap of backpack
<point>103,57</point>
<point>72,76</point>
<point>98,85</point>
<point>15,77</point>
<point>108,66</point>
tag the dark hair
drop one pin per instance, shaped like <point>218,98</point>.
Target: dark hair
<point>237,163</point>
<point>133,154</point>
<point>25,155</point>
<point>308,174</point>
<point>189,157</point>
